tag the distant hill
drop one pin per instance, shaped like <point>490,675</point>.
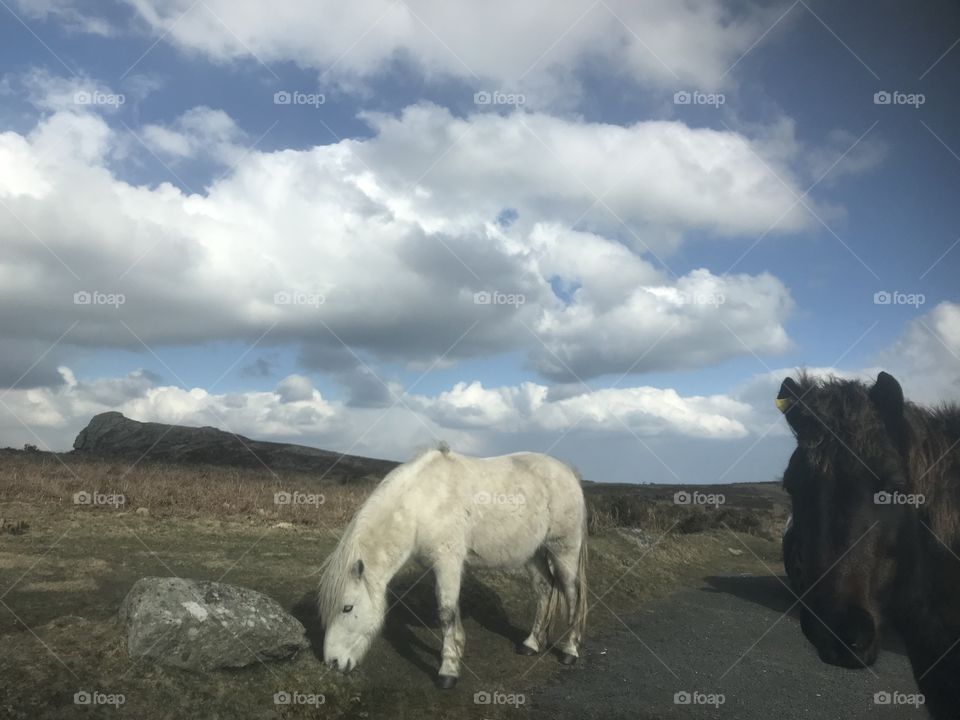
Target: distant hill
<point>111,434</point>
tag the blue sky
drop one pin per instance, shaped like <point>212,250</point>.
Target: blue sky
<point>714,205</point>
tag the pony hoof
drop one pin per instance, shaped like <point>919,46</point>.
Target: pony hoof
<point>568,659</point>
<point>525,650</point>
<point>446,682</point>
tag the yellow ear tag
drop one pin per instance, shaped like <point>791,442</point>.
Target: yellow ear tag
<point>783,404</point>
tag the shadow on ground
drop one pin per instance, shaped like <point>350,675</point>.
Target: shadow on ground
<point>773,593</point>
<point>413,607</point>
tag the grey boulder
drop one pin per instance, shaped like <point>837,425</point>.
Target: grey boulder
<point>199,625</point>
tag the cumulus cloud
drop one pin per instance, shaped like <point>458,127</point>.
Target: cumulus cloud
<point>478,419</point>
<point>636,320</point>
<point>48,91</point>
<point>538,50</point>
<point>475,417</point>
<point>295,388</point>
<point>390,245</point>
<point>199,131</point>
<point>651,178</point>
<point>926,358</point>
<point>58,413</point>
<point>646,411</point>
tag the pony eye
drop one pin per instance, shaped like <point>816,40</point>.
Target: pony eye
<point>347,608</point>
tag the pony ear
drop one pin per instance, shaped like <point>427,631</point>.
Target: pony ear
<point>788,402</point>
<point>788,395</point>
<point>887,397</point>
<point>358,569</point>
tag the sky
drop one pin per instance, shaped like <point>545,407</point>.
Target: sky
<point>602,230</point>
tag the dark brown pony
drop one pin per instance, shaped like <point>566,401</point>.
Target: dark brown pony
<point>875,533</point>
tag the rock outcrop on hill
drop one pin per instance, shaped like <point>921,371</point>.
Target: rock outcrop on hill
<point>111,434</point>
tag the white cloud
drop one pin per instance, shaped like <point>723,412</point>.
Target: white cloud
<point>66,12</point>
<point>382,243</point>
<point>646,411</point>
<point>627,318</point>
<point>199,131</point>
<point>537,48</point>
<point>475,418</point>
<point>651,178</point>
<point>926,357</point>
<point>295,388</point>
<point>59,412</point>
<point>488,420</point>
<point>79,92</point>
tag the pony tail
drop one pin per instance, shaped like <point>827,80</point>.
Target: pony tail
<point>558,613</point>
<point>580,623</point>
<point>556,616</point>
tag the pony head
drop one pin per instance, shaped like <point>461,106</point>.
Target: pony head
<point>848,481</point>
<point>351,608</point>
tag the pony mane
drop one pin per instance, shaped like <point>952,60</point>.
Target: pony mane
<point>335,570</point>
<point>933,431</point>
<point>935,434</point>
<point>337,566</point>
<point>829,396</point>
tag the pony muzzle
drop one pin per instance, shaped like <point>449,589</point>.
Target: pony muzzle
<point>345,666</point>
<point>847,639</point>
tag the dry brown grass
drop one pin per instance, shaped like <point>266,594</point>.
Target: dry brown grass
<point>47,480</point>
<point>660,517</point>
<point>205,491</point>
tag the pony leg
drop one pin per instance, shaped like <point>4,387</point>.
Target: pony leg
<point>565,566</point>
<point>448,602</point>
<point>459,636</point>
<point>541,579</point>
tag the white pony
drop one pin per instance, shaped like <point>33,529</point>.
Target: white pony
<point>447,510</point>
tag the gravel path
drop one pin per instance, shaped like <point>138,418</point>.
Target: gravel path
<point>728,637</point>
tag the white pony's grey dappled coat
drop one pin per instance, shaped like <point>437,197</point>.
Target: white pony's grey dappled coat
<point>447,510</point>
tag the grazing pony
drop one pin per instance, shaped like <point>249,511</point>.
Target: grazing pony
<point>875,530</point>
<point>447,510</point>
